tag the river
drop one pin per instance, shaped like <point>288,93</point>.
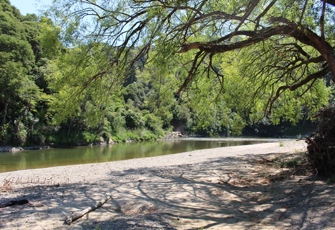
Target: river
<point>31,159</point>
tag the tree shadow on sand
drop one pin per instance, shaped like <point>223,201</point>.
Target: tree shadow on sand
<point>227,192</point>
<point>232,192</point>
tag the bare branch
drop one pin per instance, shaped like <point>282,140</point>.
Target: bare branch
<point>303,12</point>
<point>255,37</point>
<point>251,7</point>
<point>305,81</point>
<point>322,20</point>
<point>264,13</point>
<point>285,28</point>
<point>198,59</point>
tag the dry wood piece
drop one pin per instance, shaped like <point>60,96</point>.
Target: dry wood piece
<point>14,202</point>
<point>76,215</point>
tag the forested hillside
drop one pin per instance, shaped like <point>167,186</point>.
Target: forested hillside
<point>63,86</point>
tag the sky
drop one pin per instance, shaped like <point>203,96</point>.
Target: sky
<point>30,6</point>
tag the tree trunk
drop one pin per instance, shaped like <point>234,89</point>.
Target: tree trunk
<point>4,113</point>
<point>325,49</point>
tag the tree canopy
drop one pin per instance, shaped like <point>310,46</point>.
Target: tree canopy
<point>19,94</point>
<point>133,69</point>
<point>287,45</point>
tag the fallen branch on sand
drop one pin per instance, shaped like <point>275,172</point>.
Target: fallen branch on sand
<point>76,215</point>
<point>14,202</point>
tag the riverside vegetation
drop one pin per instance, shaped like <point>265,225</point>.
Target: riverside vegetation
<point>135,70</point>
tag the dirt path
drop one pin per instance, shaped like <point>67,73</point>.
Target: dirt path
<point>240,187</point>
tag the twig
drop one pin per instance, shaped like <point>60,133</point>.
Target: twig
<point>75,216</point>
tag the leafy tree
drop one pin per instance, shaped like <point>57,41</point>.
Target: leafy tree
<point>284,49</point>
<point>97,102</point>
<point>19,95</point>
<point>286,45</point>
<point>299,34</point>
<point>28,44</point>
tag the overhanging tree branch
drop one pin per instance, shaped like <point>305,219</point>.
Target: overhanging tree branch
<point>285,28</point>
<point>295,86</point>
<point>212,28</point>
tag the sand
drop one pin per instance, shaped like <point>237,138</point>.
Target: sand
<point>221,188</point>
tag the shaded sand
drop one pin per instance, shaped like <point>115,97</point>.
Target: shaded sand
<point>224,188</point>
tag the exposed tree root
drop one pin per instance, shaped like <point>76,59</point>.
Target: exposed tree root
<point>321,146</point>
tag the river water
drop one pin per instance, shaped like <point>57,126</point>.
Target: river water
<point>96,154</point>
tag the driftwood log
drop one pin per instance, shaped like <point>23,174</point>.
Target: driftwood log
<point>76,215</point>
<point>14,202</point>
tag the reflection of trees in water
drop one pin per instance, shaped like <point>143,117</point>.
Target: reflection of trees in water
<point>82,155</point>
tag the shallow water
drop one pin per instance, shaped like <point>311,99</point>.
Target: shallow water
<point>96,154</point>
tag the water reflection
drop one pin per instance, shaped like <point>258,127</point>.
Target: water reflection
<point>82,155</point>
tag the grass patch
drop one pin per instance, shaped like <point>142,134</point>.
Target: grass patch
<point>292,163</point>
<point>331,179</point>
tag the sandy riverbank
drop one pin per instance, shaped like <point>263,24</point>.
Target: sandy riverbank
<point>223,188</point>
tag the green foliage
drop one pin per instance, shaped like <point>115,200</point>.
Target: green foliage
<point>119,75</point>
<point>5,136</point>
<point>133,119</point>
<point>135,135</point>
<point>153,123</point>
<point>48,38</point>
<point>290,106</point>
<point>331,179</point>
<point>100,99</point>
<point>19,94</point>
<point>291,163</point>
<point>89,137</point>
